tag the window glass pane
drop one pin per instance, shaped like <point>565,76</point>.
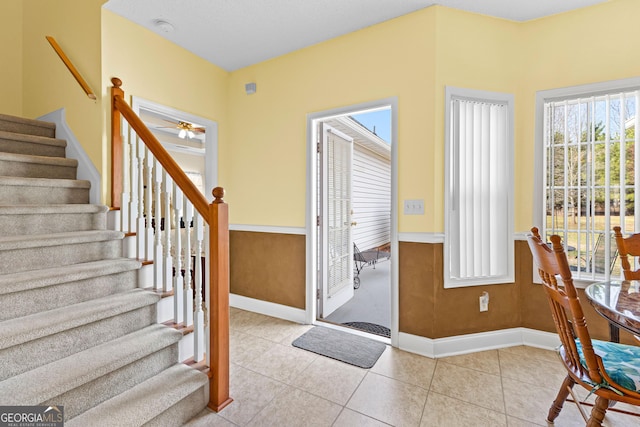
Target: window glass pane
<point>590,182</point>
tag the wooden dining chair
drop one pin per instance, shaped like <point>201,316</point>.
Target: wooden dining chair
<point>628,247</point>
<point>611,371</point>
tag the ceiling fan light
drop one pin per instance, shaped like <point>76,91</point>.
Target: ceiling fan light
<point>190,134</point>
<point>182,133</point>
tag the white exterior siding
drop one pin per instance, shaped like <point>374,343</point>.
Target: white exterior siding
<point>371,198</point>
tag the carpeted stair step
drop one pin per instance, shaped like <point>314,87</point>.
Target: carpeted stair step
<point>30,166</point>
<point>29,292</point>
<point>94,375</point>
<point>24,220</point>
<point>58,333</point>
<point>34,191</point>
<point>170,398</point>
<point>19,143</point>
<point>27,126</point>
<point>27,253</point>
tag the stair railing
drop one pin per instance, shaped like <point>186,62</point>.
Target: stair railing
<point>168,215</point>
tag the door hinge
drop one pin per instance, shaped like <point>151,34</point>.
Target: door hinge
<point>318,148</point>
<point>318,220</point>
<point>317,293</point>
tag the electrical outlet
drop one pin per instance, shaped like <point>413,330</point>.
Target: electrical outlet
<point>414,207</point>
<point>484,301</point>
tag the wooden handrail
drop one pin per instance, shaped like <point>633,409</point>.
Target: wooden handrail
<point>54,44</point>
<point>216,214</point>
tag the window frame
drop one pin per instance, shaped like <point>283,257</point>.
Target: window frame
<point>506,99</point>
<point>560,94</point>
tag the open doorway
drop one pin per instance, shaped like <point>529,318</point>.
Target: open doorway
<point>191,140</point>
<point>353,202</point>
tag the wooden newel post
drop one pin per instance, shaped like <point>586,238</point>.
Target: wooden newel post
<point>116,145</point>
<point>219,301</point>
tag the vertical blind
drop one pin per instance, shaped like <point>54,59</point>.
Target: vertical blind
<point>479,189</point>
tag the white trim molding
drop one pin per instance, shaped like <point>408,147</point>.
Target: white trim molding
<point>74,150</point>
<point>472,343</point>
<point>272,309</point>
<point>268,229</point>
<point>421,237</point>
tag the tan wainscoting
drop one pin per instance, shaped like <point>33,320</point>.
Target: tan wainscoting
<point>271,267</point>
<point>429,310</point>
<point>268,267</point>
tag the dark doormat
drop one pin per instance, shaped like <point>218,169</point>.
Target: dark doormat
<point>372,328</point>
<point>342,346</point>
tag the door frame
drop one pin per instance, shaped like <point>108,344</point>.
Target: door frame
<point>210,141</point>
<point>311,207</point>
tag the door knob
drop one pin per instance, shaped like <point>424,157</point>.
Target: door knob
<point>353,224</point>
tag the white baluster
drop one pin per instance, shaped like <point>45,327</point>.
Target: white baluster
<point>198,314</point>
<point>148,203</point>
<point>140,223</point>
<point>125,197</point>
<point>133,175</point>
<point>178,281</point>
<point>188,293</point>
<point>166,247</point>
<point>157,219</point>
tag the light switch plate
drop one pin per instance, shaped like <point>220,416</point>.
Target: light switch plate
<point>414,207</point>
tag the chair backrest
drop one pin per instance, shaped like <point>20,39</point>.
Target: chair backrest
<point>564,303</point>
<point>628,246</point>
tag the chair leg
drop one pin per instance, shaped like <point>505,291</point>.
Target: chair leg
<point>598,411</point>
<point>556,407</point>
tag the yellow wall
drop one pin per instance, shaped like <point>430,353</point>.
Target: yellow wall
<point>48,85</point>
<point>267,181</point>
<point>485,56</point>
<point>590,45</point>
<point>11,54</point>
<point>157,70</point>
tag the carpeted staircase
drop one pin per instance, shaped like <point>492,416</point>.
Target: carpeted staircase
<point>75,329</point>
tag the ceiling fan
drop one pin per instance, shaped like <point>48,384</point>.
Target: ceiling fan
<point>186,129</point>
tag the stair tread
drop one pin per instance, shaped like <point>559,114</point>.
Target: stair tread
<point>24,329</point>
<point>80,368</point>
<point>52,209</point>
<point>26,121</point>
<point>44,182</point>
<point>34,139</point>
<point>145,401</point>
<point>43,160</point>
<point>27,280</point>
<point>57,239</point>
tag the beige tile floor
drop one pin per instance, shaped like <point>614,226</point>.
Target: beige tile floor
<point>275,384</point>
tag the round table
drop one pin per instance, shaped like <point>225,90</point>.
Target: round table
<point>619,303</point>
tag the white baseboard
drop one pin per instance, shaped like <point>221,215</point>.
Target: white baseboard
<point>471,343</point>
<point>267,308</point>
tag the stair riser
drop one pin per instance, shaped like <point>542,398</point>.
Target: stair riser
<point>20,358</point>
<point>32,301</point>
<point>36,170</point>
<point>182,411</point>
<point>31,195</point>
<point>33,148</point>
<point>113,383</point>
<point>27,259</point>
<point>27,128</point>
<point>31,224</point>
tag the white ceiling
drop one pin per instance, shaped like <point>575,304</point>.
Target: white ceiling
<point>236,33</point>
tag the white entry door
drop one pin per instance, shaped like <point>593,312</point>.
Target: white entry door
<point>335,284</point>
